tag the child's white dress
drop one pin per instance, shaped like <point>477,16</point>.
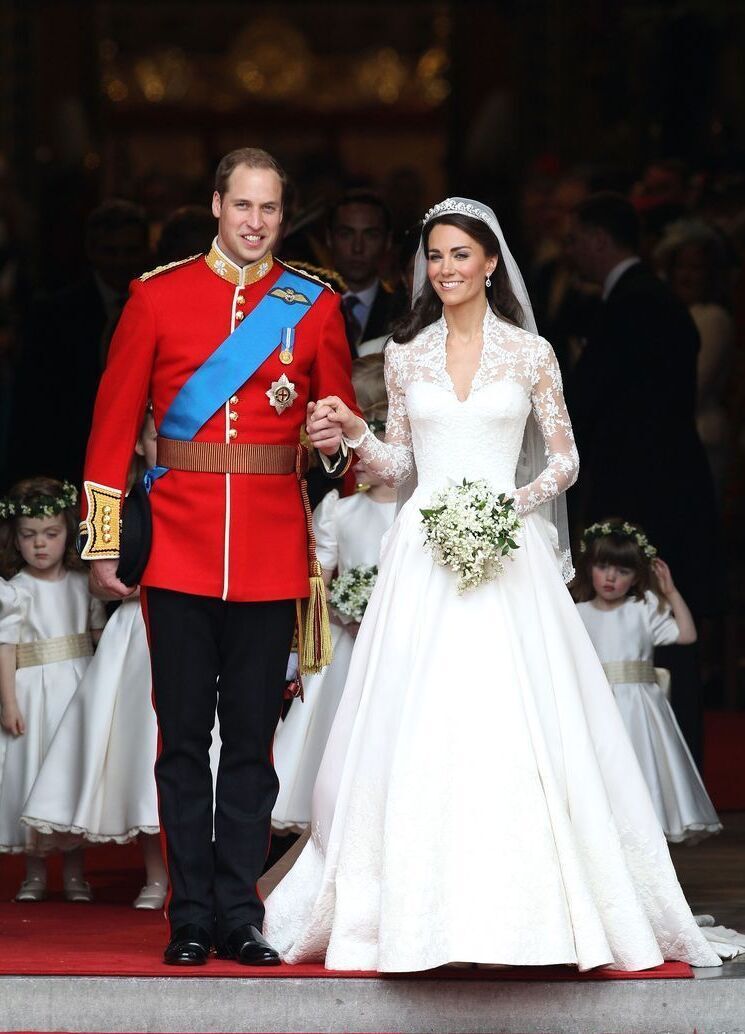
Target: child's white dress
<point>51,624</point>
<point>348,534</point>
<point>624,639</point>
<point>111,731</point>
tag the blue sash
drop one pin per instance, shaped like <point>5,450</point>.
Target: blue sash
<point>236,359</point>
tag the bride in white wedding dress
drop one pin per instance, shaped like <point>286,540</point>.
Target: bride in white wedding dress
<point>484,717</point>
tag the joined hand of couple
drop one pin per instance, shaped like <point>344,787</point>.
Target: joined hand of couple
<point>329,419</point>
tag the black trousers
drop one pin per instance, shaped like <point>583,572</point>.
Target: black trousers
<point>208,654</point>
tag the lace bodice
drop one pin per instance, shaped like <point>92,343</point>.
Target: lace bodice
<point>430,431</point>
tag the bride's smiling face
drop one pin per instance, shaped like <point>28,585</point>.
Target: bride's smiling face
<point>457,265</point>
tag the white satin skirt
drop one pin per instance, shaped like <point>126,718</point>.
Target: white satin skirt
<point>97,782</point>
<point>301,738</point>
<point>681,802</point>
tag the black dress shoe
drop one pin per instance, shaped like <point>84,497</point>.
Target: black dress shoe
<point>189,946</point>
<point>247,946</point>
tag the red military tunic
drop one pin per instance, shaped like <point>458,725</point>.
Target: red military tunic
<point>231,536</point>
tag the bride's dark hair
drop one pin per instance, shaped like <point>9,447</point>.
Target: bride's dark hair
<point>500,297</point>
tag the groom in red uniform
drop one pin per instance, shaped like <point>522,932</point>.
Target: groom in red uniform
<point>229,347</point>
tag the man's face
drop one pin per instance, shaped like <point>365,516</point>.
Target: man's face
<point>565,196</point>
<point>249,214</point>
<point>358,240</point>
<point>119,256</point>
<point>582,245</point>
<point>689,274</point>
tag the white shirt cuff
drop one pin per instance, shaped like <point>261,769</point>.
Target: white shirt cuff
<point>331,462</point>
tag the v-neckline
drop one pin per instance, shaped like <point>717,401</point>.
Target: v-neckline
<point>444,352</point>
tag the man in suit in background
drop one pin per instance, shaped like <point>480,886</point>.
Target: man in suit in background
<point>359,239</point>
<point>64,346</point>
<point>633,410</point>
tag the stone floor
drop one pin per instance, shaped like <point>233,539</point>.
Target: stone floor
<point>713,873</point>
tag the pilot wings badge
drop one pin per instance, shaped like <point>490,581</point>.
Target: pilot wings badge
<point>282,394</point>
<point>290,296</point>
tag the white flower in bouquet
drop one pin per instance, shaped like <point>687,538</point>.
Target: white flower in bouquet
<point>350,592</point>
<point>470,529</point>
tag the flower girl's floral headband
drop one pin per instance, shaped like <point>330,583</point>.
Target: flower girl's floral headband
<point>39,505</point>
<point>624,531</point>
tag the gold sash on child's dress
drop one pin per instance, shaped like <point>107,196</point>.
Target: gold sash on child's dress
<point>47,651</point>
<point>629,671</point>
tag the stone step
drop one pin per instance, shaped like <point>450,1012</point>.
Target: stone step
<point>713,1002</point>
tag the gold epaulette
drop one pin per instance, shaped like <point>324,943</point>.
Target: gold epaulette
<point>169,265</point>
<point>327,277</point>
<point>102,526</point>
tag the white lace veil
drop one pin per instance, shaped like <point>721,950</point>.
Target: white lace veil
<point>533,456</point>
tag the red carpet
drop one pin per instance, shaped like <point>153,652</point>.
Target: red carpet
<point>54,938</point>
<point>110,938</point>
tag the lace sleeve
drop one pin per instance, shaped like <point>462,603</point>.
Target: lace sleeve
<point>550,412</point>
<point>393,459</point>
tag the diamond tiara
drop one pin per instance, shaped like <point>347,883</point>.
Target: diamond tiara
<point>450,205</point>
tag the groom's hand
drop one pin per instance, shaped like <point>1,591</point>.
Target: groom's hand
<point>328,420</point>
<point>324,432</point>
<point>104,582</point>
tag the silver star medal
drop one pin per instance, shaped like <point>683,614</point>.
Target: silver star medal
<point>282,394</point>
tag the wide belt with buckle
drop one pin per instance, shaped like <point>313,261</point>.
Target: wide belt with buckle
<point>232,458</point>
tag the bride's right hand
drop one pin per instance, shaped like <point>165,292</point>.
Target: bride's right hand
<point>331,413</point>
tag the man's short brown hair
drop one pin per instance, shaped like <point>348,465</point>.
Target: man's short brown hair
<point>254,158</point>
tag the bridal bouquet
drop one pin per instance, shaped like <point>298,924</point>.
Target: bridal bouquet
<point>350,592</point>
<point>470,530</point>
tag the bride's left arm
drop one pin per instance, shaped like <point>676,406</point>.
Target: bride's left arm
<point>550,412</point>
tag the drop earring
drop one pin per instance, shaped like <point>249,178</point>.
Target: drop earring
<point>488,281</point>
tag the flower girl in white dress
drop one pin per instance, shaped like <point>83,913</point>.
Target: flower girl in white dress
<point>429,742</point>
<point>109,729</point>
<point>348,532</point>
<point>49,623</point>
<point>629,604</point>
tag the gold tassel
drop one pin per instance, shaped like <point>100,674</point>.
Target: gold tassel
<point>315,648</point>
<point>315,635</point>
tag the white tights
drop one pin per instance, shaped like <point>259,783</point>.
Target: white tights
<point>72,866</point>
